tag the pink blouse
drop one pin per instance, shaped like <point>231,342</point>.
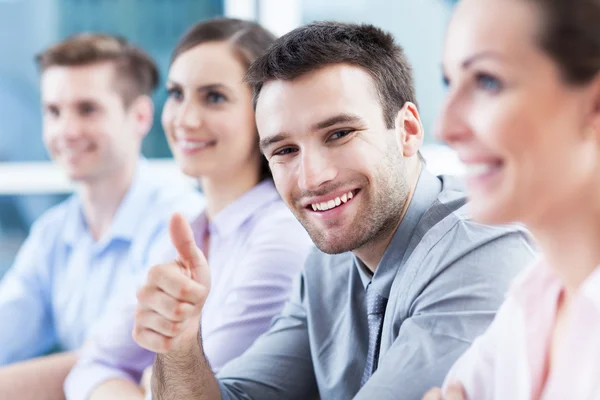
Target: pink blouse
<point>507,362</point>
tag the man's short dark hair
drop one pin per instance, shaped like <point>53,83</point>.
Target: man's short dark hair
<point>136,71</point>
<point>320,44</point>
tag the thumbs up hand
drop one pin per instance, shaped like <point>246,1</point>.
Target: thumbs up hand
<point>171,300</point>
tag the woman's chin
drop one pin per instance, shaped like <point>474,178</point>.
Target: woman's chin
<point>490,212</point>
<point>194,168</point>
<point>193,171</point>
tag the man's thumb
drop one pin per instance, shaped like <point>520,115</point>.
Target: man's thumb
<point>182,238</point>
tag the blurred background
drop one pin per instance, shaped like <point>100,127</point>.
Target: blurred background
<point>29,184</point>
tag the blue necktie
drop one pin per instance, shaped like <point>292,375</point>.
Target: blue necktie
<point>375,310</point>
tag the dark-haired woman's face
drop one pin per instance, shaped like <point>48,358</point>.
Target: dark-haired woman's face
<point>528,139</point>
<point>208,117</point>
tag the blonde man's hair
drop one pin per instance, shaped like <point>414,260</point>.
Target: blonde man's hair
<point>136,73</point>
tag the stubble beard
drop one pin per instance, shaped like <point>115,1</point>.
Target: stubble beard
<point>382,206</point>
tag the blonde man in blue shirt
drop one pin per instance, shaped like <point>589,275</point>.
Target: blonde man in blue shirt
<point>86,251</point>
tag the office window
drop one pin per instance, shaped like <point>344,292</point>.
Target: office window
<point>28,26</point>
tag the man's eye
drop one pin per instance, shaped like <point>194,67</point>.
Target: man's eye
<point>339,134</point>
<point>52,111</point>
<point>285,151</point>
<point>87,109</point>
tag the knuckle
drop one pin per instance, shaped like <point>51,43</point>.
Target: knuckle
<point>178,311</point>
<point>154,273</point>
<point>174,328</point>
<point>185,290</point>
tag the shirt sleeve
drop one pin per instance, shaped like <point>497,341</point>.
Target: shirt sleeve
<point>110,351</point>
<point>452,310</point>
<point>279,364</point>
<point>263,283</point>
<point>112,354</point>
<point>25,301</point>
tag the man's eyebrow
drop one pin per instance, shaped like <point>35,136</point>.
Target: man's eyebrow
<point>269,140</point>
<point>335,120</point>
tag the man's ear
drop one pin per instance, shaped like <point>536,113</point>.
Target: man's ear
<point>142,110</point>
<point>409,130</point>
<point>594,123</point>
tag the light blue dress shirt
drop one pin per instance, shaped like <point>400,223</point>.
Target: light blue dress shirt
<point>63,280</point>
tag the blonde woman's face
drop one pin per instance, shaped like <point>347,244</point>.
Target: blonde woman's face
<point>526,136</point>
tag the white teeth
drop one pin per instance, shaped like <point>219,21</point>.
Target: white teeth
<point>478,169</point>
<point>69,152</point>
<point>73,150</point>
<point>328,205</point>
<point>188,145</point>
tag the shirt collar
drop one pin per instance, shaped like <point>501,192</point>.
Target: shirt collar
<point>231,218</point>
<point>540,279</point>
<point>364,273</point>
<point>129,214</point>
<point>536,280</point>
<point>426,192</point>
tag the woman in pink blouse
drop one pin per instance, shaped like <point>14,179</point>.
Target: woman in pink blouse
<point>253,243</point>
<point>523,113</point>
